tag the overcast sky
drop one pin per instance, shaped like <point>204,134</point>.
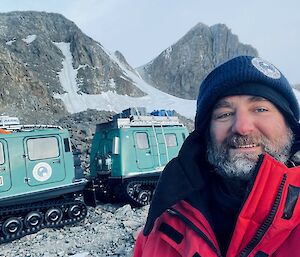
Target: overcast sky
<point>142,29</point>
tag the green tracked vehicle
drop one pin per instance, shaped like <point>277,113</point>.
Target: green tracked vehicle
<point>39,180</point>
<point>129,153</point>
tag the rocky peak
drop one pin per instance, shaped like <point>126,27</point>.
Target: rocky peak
<point>31,62</point>
<point>179,69</point>
<point>124,62</point>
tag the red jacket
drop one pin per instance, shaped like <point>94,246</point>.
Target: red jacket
<point>268,224</point>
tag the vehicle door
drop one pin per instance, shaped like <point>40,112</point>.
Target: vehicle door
<point>44,160</point>
<point>144,153</point>
<point>5,172</point>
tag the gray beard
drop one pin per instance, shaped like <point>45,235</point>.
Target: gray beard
<point>241,165</point>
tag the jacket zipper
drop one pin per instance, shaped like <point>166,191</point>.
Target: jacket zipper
<point>192,226</point>
<point>267,223</point>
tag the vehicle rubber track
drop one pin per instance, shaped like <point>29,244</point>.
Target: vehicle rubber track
<point>139,192</point>
<point>21,220</point>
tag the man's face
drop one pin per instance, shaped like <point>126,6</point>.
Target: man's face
<point>242,128</point>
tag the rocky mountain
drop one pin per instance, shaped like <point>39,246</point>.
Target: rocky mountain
<point>34,48</point>
<point>30,61</point>
<point>179,69</point>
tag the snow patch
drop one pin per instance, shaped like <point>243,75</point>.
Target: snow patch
<point>29,39</point>
<point>83,66</point>
<point>110,101</point>
<point>10,42</point>
<point>112,83</point>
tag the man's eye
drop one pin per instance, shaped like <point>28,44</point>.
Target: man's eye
<point>261,109</point>
<point>223,115</point>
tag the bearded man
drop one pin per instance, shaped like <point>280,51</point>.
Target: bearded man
<point>233,189</point>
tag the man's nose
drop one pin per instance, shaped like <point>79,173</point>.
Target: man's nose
<point>243,124</point>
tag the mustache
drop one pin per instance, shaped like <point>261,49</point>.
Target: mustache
<point>239,140</point>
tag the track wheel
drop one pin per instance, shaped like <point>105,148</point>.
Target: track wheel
<point>75,211</point>
<point>12,226</point>
<point>53,215</point>
<point>33,219</point>
<point>139,195</point>
<point>144,196</point>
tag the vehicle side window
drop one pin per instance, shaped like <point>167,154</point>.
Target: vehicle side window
<point>142,141</point>
<point>42,148</point>
<point>67,145</point>
<point>1,154</point>
<point>171,140</point>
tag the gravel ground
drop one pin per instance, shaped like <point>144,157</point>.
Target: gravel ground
<point>108,230</point>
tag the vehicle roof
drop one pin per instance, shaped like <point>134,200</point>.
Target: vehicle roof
<point>24,130</point>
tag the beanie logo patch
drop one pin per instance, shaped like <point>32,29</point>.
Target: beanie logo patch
<point>266,68</point>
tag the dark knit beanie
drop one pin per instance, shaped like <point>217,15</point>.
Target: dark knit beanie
<point>246,75</point>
